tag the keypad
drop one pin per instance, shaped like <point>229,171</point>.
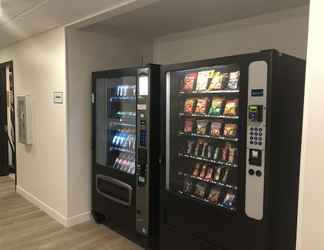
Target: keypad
<point>256,138</point>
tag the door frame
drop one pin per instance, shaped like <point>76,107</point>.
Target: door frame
<point>12,143</point>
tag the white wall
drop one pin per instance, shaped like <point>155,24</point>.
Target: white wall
<point>39,69</point>
<point>88,52</point>
<point>286,31</point>
<point>311,220</point>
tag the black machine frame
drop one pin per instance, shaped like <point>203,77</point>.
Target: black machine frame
<point>118,216</point>
<point>188,224</point>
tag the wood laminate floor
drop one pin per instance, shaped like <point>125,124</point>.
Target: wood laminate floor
<point>25,227</point>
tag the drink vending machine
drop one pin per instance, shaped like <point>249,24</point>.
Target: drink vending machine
<point>126,143</point>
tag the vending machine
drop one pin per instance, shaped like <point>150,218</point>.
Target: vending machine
<point>230,152</point>
<point>126,143</point>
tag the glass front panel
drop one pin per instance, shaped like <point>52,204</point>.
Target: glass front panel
<point>203,134</point>
<point>116,123</point>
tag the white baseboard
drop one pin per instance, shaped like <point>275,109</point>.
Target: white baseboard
<point>65,221</point>
<point>78,219</point>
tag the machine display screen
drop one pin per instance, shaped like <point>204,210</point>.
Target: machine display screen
<point>257,92</point>
<point>143,83</point>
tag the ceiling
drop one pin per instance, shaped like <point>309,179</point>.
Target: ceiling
<point>13,9</point>
<point>20,19</point>
<point>171,16</point>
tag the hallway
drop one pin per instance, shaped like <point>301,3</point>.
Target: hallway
<point>23,226</point>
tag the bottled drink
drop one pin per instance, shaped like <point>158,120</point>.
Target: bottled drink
<point>118,91</point>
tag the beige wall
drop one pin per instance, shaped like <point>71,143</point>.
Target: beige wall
<point>311,220</point>
<point>286,31</point>
<point>39,69</point>
<point>88,52</point>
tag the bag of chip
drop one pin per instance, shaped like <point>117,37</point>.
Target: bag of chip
<point>216,128</point>
<point>216,153</point>
<point>200,190</point>
<point>233,81</point>
<point>189,105</point>
<point>209,174</point>
<point>189,147</point>
<point>188,125</point>
<point>210,151</point>
<point>218,173</point>
<point>217,82</point>
<point>214,195</point>
<point>202,127</point>
<point>231,107</point>
<point>229,199</point>
<point>204,149</point>
<point>203,79</point>
<point>230,130</point>
<point>201,106</point>
<point>196,170</point>
<point>203,172</point>
<point>188,185</point>
<point>217,105</point>
<point>189,81</point>
<point>225,152</point>
<point>232,155</point>
<point>225,176</point>
<point>198,147</point>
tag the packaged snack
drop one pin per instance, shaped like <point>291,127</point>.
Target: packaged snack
<point>200,190</point>
<point>216,153</point>
<point>196,170</point>
<point>209,174</point>
<point>225,79</point>
<point>217,82</point>
<point>229,199</point>
<point>233,80</point>
<point>225,176</point>
<point>232,154</point>
<point>204,149</point>
<point>202,127</point>
<point>210,151</point>
<point>189,147</point>
<point>203,172</point>
<point>188,185</point>
<point>188,125</point>
<point>231,107</point>
<point>230,130</point>
<point>189,81</point>
<point>203,79</point>
<point>218,173</point>
<point>217,105</point>
<point>216,128</point>
<point>225,152</point>
<point>201,106</point>
<point>189,105</point>
<point>198,147</point>
<point>214,195</point>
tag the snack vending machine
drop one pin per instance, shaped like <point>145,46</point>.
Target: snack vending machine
<point>126,140</point>
<point>231,145</point>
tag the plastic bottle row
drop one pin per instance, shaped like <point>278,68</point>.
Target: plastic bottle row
<point>124,139</point>
<point>125,162</point>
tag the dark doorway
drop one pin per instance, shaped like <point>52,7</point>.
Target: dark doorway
<point>7,121</point>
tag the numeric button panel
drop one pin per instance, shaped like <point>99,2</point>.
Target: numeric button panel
<point>256,136</point>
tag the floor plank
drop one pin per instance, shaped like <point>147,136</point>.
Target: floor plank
<point>25,227</point>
